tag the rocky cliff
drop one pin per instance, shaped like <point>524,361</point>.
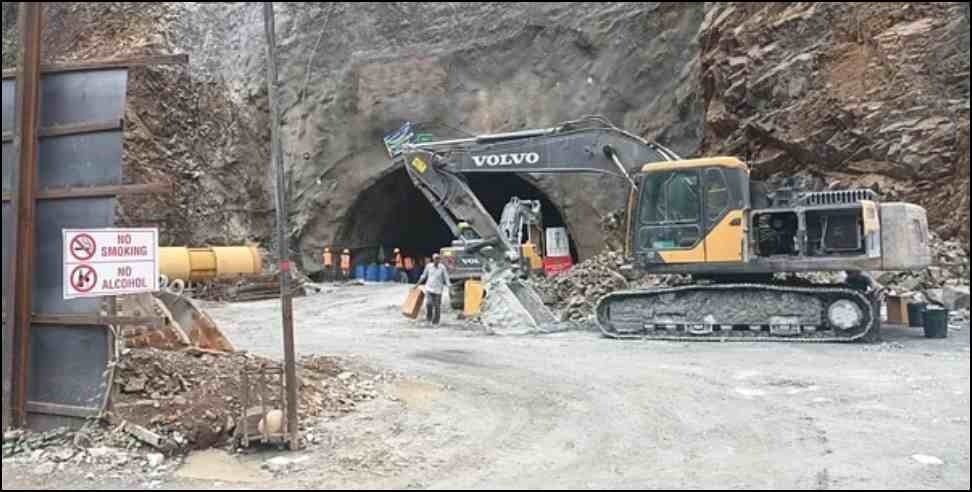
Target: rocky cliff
<point>873,95</point>
<point>869,94</point>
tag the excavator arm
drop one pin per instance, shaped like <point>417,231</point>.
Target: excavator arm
<point>519,214</point>
<point>588,146</point>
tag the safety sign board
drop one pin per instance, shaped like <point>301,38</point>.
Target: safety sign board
<point>558,242</point>
<point>110,262</point>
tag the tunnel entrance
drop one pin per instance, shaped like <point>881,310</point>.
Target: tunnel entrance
<point>394,214</point>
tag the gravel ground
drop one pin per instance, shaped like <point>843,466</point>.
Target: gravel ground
<point>575,410</point>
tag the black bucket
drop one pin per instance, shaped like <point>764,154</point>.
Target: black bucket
<point>916,314</point>
<point>936,323</point>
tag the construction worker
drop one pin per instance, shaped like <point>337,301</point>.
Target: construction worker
<point>400,275</point>
<point>410,269</point>
<point>328,260</point>
<point>346,264</point>
<point>436,281</point>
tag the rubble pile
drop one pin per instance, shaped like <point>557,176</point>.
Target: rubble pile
<point>576,293</point>
<point>166,404</point>
<point>193,398</point>
<point>102,454</point>
<point>950,268</point>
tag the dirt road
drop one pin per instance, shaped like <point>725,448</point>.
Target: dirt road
<point>578,411</point>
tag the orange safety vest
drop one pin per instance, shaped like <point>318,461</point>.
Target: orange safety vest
<point>328,259</point>
<point>399,263</point>
<point>409,263</point>
<point>346,262</point>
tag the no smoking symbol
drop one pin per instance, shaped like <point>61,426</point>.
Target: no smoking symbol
<point>84,279</point>
<point>83,247</point>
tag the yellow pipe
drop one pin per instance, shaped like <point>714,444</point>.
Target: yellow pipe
<point>202,264</point>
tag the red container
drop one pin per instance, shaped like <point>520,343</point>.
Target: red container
<point>554,266</point>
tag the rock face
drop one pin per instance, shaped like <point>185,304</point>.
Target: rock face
<point>482,67</point>
<point>875,95</point>
<point>186,127</point>
<point>9,21</point>
<point>870,94</point>
<point>961,198</point>
<point>351,72</point>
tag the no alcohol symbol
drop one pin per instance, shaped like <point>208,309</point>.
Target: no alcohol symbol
<point>84,279</point>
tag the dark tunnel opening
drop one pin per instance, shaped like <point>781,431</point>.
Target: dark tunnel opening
<point>496,190</point>
<point>394,214</point>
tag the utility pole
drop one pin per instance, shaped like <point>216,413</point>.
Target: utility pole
<point>283,229</point>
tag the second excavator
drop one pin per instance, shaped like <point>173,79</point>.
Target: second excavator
<point>701,217</point>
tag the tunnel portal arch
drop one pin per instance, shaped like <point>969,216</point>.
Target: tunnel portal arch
<point>391,213</point>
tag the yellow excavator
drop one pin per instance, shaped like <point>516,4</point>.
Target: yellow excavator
<point>705,218</point>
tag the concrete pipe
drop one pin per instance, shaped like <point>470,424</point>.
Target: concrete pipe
<point>202,264</point>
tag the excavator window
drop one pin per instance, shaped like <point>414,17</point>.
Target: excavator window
<point>671,210</point>
<point>717,196</point>
<point>672,198</point>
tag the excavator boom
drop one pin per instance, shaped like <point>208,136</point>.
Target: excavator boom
<point>588,146</point>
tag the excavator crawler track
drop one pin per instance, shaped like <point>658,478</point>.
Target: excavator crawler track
<point>740,312</point>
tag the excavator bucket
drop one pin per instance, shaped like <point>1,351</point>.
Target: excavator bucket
<point>202,330</point>
<point>514,308</point>
<point>185,325</point>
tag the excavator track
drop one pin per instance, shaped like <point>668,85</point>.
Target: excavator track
<point>740,312</point>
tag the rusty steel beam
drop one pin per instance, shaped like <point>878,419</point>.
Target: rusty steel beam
<point>97,192</point>
<point>85,321</point>
<point>25,200</point>
<point>62,410</point>
<point>68,130</point>
<point>107,64</point>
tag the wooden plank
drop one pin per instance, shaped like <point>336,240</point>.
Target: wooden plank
<point>95,321</point>
<point>148,437</point>
<point>98,192</point>
<point>67,130</point>
<point>41,408</point>
<point>94,65</point>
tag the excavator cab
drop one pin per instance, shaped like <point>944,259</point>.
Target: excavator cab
<point>467,233</point>
<point>689,212</point>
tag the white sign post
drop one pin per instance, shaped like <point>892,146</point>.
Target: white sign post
<point>110,262</point>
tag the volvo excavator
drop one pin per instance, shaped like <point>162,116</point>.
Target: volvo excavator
<point>740,242</point>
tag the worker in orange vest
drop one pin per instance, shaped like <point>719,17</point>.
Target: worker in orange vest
<point>328,260</point>
<point>399,266</point>
<point>346,264</point>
